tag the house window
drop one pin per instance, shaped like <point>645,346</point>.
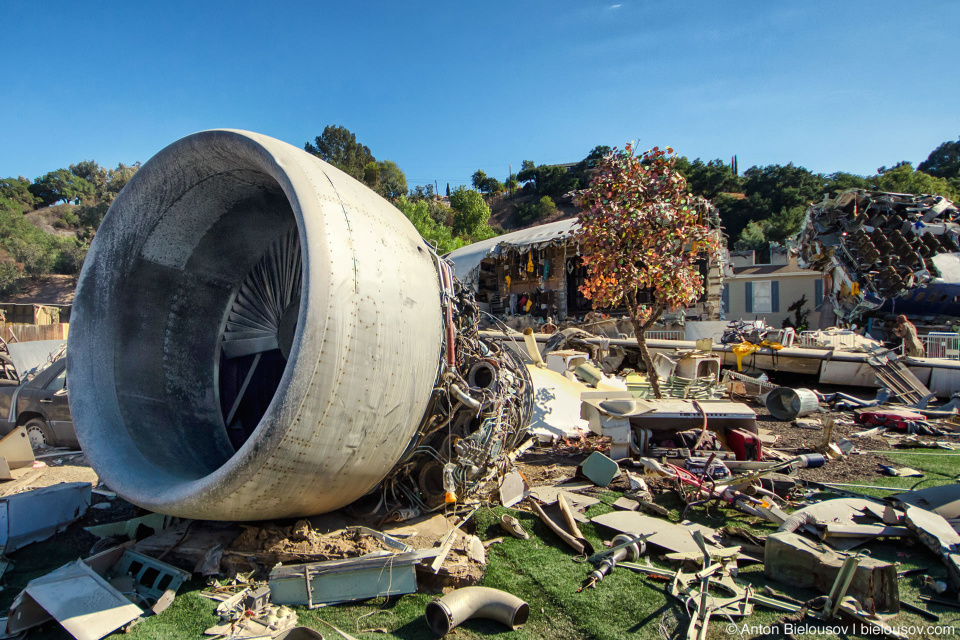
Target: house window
<point>761,296</point>
<point>762,302</point>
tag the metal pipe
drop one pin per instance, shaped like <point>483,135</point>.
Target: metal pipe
<point>786,352</point>
<point>451,610</point>
<point>463,397</point>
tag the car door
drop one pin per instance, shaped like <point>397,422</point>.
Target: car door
<point>52,397</point>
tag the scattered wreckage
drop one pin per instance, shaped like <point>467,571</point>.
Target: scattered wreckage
<point>316,390</point>
<point>875,247</point>
<point>711,453</point>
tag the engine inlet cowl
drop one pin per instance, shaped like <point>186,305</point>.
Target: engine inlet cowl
<point>255,334</point>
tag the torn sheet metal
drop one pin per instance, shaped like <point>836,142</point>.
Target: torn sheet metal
<point>937,535</point>
<point>513,488</point>
<point>661,533</point>
<point>875,246</point>
<point>547,494</point>
<point>76,597</point>
<point>599,469</point>
<point>839,512</point>
<point>345,580</point>
<point>16,451</point>
<point>153,523</point>
<point>943,500</point>
<point>36,515</point>
<point>152,579</point>
<point>30,357</point>
<point>556,407</point>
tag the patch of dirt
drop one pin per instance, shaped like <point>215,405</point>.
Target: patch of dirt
<point>49,289</point>
<point>300,542</point>
<point>548,466</point>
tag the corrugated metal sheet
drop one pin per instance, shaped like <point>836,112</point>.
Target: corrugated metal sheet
<point>467,259</point>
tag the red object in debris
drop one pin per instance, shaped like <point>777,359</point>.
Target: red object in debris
<point>887,417</point>
<point>745,445</point>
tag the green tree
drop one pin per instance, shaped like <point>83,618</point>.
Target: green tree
<point>785,223</point>
<point>418,212</point>
<point>943,162</point>
<point>528,171</point>
<point>60,185</point>
<point>709,179</point>
<point>11,278</point>
<point>492,185</point>
<point>118,178</point>
<point>529,212</point>
<point>36,251</point>
<point>639,227</point>
<point>371,174</point>
<point>547,207</point>
<point>470,212</point>
<point>901,178</point>
<point>391,182</point>
<point>477,179</point>
<point>92,216</point>
<point>752,237</point>
<point>422,192</point>
<point>767,191</point>
<point>93,173</point>
<point>338,146</point>
<point>18,190</point>
<point>841,181</point>
<point>550,180</point>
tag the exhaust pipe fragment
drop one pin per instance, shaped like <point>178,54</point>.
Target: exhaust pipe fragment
<point>455,608</point>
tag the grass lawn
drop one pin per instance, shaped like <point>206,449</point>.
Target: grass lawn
<point>546,574</point>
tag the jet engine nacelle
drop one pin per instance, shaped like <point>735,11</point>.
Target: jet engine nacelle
<point>255,334</point>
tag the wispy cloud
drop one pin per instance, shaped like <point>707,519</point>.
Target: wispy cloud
<point>615,6</point>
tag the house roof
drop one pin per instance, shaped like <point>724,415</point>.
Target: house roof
<point>467,259</point>
<point>772,270</point>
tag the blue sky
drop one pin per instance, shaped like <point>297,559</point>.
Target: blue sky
<point>446,88</point>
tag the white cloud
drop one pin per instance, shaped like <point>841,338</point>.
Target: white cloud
<point>615,6</point>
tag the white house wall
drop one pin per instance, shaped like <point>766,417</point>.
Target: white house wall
<point>791,288</point>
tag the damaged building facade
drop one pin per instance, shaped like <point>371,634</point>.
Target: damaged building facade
<point>539,271</point>
<point>892,252</point>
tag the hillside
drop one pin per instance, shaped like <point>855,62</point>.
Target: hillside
<point>503,210</point>
<point>50,289</point>
<point>59,220</point>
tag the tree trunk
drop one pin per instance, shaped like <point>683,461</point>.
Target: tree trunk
<point>639,331</point>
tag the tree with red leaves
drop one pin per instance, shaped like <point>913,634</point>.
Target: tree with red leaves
<point>642,231</point>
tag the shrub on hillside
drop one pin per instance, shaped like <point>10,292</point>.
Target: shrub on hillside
<point>11,278</point>
<point>70,259</point>
<point>528,212</point>
<point>37,260</point>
